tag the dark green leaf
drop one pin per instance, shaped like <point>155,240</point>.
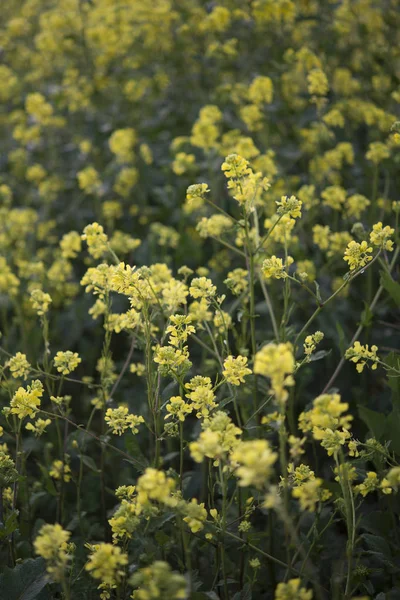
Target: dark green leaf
<point>391,286</point>
<point>375,421</point>
<point>89,463</point>
<point>320,354</point>
<point>25,582</point>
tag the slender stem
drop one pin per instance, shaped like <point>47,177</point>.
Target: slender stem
<point>224,510</point>
<point>221,241</point>
<point>323,304</point>
<point>266,236</point>
<point>270,307</point>
<point>361,326</point>
<point>126,364</point>
<point>129,458</point>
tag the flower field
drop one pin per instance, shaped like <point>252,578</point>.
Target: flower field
<point>199,300</point>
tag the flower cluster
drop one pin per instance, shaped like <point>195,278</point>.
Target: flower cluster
<point>362,355</point>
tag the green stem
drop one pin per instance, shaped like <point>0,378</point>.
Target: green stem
<point>361,326</point>
<point>323,304</point>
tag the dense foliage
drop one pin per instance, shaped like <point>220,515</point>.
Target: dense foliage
<point>199,368</point>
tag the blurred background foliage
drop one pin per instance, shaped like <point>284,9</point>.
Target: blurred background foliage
<point>110,109</point>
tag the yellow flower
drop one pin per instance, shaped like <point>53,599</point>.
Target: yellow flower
<point>214,226</point>
<point>40,301</point>
<point>180,329</point>
<point>60,470</point>
<point>222,321</point>
<point>155,486</point>
<point>311,341</point>
<point>51,544</point>
<point>89,180</point>
<point>196,514</point>
<point>195,197</point>
<point>309,494</point>
<point>275,267</point>
<point>237,281</point>
<point>235,167</point>
<point>357,255</point>
<point>119,420</point>
<point>19,365</point>
<point>370,484</point>
<point>253,460</point>
<point>178,407</point>
<point>96,239</point>
<point>157,582</point>
<point>377,152</point>
<point>70,245</point>
<point>106,563</point>
<point>292,591</point>
<point>261,90</point>
<point>172,359</point>
<point>39,427</point>
<point>317,83</point>
<point>334,196</point>
<point>219,437</point>
<point>289,206</point>
<point>277,362</point>
<point>235,369</point>
<point>379,236</point>
<point>25,403</point>
<point>66,362</point>
<point>183,162</point>
<point>356,205</point>
<point>201,395</point>
<point>361,355</point>
<point>321,236</point>
<point>125,520</point>
<point>121,144</point>
<point>326,413</point>
<point>201,287</point>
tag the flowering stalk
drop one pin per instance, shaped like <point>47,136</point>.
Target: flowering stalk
<point>223,484</point>
<point>360,328</point>
<point>350,518</point>
<point>325,302</point>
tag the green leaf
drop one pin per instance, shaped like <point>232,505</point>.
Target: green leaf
<point>378,544</point>
<point>10,525</point>
<point>244,594</point>
<point>89,463</point>
<point>375,421</point>
<point>393,380</point>
<point>25,582</point>
<point>343,345</point>
<point>133,449</point>
<point>317,291</point>
<point>366,316</point>
<point>320,354</point>
<point>392,428</point>
<point>391,286</point>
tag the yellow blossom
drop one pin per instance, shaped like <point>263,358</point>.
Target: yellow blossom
<point>361,355</point>
<point>277,362</point>
<point>25,403</point>
<point>235,369</point>
<point>106,562</point>
<point>292,591</point>
<point>66,362</point>
<point>253,460</point>
<point>19,365</point>
<point>196,514</point>
<point>357,255</point>
<point>51,544</point>
<point>380,235</point>
<point>40,301</point>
